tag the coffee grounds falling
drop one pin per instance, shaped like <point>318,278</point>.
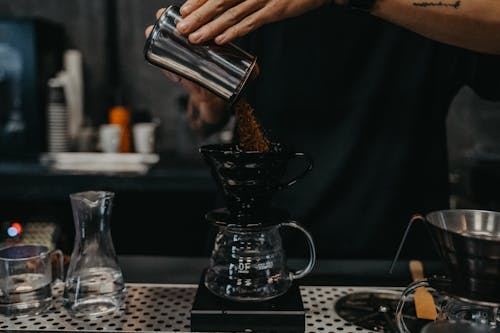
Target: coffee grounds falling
<point>250,134</point>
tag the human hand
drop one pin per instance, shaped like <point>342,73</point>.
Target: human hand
<point>206,112</point>
<point>207,115</point>
<point>226,20</point>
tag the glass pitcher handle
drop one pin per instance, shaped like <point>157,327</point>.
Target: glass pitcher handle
<point>60,264</point>
<point>312,251</point>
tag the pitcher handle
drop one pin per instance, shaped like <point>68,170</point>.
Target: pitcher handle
<point>309,165</point>
<point>60,264</point>
<point>414,218</point>
<point>312,251</point>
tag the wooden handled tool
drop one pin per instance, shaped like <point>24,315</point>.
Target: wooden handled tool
<point>424,301</point>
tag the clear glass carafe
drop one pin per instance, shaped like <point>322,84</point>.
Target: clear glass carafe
<point>94,282</point>
<point>249,263</point>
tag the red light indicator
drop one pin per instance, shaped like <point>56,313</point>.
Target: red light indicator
<point>17,226</point>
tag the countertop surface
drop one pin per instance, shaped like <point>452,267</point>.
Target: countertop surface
<point>161,293</point>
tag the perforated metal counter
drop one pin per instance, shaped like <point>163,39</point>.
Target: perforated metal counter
<point>166,308</point>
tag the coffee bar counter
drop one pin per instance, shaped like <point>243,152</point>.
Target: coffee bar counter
<point>162,296</point>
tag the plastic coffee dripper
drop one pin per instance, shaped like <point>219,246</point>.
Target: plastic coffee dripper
<point>248,180</point>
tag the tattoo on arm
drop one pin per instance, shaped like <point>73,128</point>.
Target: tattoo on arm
<point>455,4</point>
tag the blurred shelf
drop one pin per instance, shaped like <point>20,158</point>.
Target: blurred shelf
<point>99,163</point>
<point>30,180</point>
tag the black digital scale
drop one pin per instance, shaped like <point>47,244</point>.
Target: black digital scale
<point>211,313</point>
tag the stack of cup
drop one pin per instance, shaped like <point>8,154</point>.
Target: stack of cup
<point>57,127</point>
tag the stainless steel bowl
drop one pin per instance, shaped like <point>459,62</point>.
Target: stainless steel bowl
<point>469,243</point>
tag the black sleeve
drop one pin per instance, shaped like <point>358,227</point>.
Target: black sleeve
<point>483,75</point>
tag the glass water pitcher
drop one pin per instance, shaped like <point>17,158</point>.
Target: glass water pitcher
<point>94,283</point>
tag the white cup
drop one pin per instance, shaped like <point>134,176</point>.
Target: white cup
<point>110,138</point>
<point>144,137</point>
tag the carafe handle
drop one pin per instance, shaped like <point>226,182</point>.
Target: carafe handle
<point>60,264</point>
<point>312,251</point>
<point>309,165</point>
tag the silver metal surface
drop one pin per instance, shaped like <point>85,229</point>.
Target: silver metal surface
<point>222,69</point>
<point>480,224</point>
<point>166,308</point>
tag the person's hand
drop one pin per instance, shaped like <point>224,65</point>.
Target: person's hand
<point>206,112</point>
<point>225,20</point>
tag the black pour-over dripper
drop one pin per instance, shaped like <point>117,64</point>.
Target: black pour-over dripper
<point>249,179</point>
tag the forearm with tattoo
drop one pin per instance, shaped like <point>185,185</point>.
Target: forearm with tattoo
<point>470,24</point>
<point>455,4</point>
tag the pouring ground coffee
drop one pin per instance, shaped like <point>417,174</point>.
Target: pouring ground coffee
<point>250,134</point>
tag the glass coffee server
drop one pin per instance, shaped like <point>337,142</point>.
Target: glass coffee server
<point>248,262</point>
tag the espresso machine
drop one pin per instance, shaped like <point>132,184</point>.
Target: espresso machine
<point>247,284</point>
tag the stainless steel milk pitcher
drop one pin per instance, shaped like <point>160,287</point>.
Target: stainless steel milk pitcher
<point>221,69</point>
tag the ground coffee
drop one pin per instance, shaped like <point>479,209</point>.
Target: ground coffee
<point>250,134</point>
